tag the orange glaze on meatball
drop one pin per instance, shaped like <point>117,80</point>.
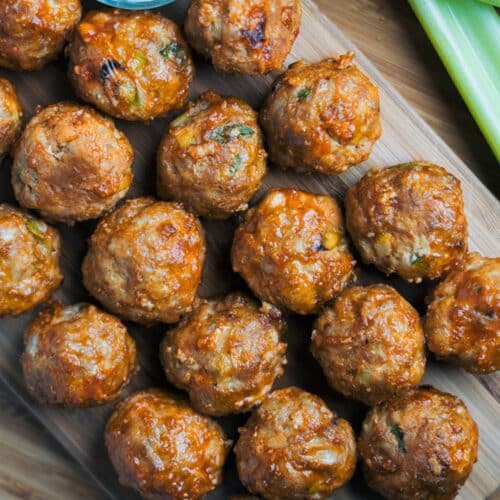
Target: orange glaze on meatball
<point>29,260</point>
<point>11,116</point>
<point>462,323</point>
<point>421,445</point>
<point>244,36</point>
<point>321,117</point>
<point>71,164</point>
<point>131,65</point>
<point>294,447</point>
<point>291,250</point>
<point>145,261</point>
<point>408,219</point>
<point>163,449</point>
<point>226,354</point>
<point>370,344</point>
<point>212,157</point>
<point>77,356</point>
<point>33,32</point>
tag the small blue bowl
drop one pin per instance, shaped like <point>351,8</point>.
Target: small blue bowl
<point>136,4</point>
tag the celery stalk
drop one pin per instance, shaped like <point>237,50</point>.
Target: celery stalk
<point>466,35</point>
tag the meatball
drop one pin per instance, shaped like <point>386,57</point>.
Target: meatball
<point>71,164</point>
<point>291,250</point>
<point>293,446</point>
<point>212,157</point>
<point>321,117</point>
<point>226,354</point>
<point>370,344</point>
<point>11,116</point>
<point>408,219</point>
<point>163,449</point>
<point>240,36</point>
<point>145,261</point>
<point>462,323</point>
<point>131,65</point>
<point>77,356</point>
<point>422,445</point>
<point>33,32</point>
<point>29,261</point>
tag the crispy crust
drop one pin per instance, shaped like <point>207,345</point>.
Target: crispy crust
<point>11,116</point>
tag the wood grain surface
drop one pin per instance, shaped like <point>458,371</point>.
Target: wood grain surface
<point>381,29</point>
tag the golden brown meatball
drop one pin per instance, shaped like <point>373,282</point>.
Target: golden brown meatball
<point>321,117</point>
<point>77,356</point>
<point>71,164</point>
<point>29,261</point>
<point>212,157</point>
<point>226,354</point>
<point>370,344</point>
<point>293,446</point>
<point>291,250</point>
<point>422,446</point>
<point>408,219</point>
<point>163,449</point>
<point>11,116</point>
<point>132,65</point>
<point>240,36</point>
<point>462,323</point>
<point>33,32</point>
<point>145,261</point>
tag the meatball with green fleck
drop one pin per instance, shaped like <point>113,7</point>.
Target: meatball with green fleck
<point>292,251</point>
<point>321,117</point>
<point>408,219</point>
<point>370,344</point>
<point>227,353</point>
<point>462,323</point>
<point>29,263</point>
<point>212,158</point>
<point>421,445</point>
<point>131,65</point>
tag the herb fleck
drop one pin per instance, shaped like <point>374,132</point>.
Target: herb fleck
<point>238,162</point>
<point>304,93</point>
<point>418,261</point>
<point>175,50</point>
<point>225,133</point>
<point>399,435</point>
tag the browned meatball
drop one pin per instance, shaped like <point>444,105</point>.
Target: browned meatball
<point>29,261</point>
<point>408,219</point>
<point>241,36</point>
<point>11,116</point>
<point>370,344</point>
<point>33,32</point>
<point>462,323</point>
<point>77,356</point>
<point>212,157</point>
<point>321,117</point>
<point>145,261</point>
<point>422,446</point>
<point>163,449</point>
<point>291,250</point>
<point>132,65</point>
<point>293,446</point>
<point>226,354</point>
<point>71,164</point>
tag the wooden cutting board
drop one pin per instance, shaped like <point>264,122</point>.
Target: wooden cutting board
<point>405,137</point>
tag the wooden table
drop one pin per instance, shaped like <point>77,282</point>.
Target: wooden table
<point>32,464</point>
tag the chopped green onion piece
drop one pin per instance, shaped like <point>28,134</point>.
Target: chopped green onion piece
<point>225,133</point>
<point>36,229</point>
<point>172,49</point>
<point>399,435</point>
<point>304,93</point>
<point>238,162</point>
